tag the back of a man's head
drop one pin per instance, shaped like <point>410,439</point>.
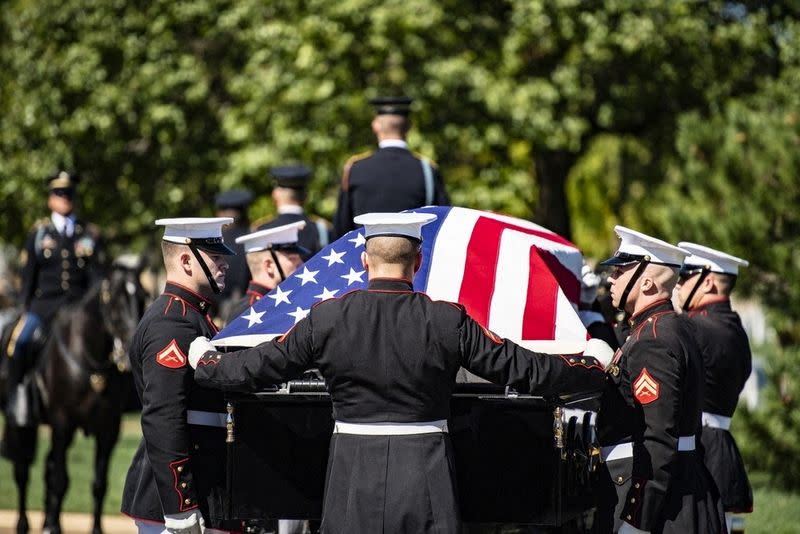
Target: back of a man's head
<point>664,277</point>
<point>392,251</point>
<point>391,126</point>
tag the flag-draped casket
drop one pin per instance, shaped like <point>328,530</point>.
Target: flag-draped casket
<point>520,459</point>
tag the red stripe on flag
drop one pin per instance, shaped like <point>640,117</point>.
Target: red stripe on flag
<point>539,318</point>
<point>570,285</point>
<point>477,285</point>
<point>480,270</point>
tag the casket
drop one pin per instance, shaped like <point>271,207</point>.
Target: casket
<point>519,458</point>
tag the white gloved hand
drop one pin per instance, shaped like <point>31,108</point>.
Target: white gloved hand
<point>627,528</point>
<point>197,348</point>
<point>598,349</point>
<point>190,522</point>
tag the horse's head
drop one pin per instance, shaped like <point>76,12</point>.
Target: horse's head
<point>122,300</point>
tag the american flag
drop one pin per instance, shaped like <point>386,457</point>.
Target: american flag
<point>514,277</point>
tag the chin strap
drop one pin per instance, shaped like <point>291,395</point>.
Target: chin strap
<point>643,263</point>
<point>211,281</point>
<point>277,264</point>
<point>703,273</point>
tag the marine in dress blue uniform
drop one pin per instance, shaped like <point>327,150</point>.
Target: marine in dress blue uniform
<point>176,479</point>
<point>392,178</point>
<point>707,278</point>
<point>273,255</point>
<point>653,478</point>
<point>389,357</point>
<point>289,195</point>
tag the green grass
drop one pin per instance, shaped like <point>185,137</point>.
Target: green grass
<point>81,472</point>
<point>776,511</point>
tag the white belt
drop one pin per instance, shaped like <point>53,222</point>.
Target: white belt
<point>716,421</point>
<point>625,450</point>
<point>196,417</point>
<point>390,429</point>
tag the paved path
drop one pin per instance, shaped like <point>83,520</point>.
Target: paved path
<point>70,523</point>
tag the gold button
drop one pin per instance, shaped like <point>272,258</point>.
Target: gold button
<point>47,253</point>
<point>619,480</point>
<point>64,285</point>
<point>180,469</point>
<point>65,253</point>
<point>196,447</point>
<point>649,319</point>
<point>64,275</point>
<point>188,501</point>
<point>183,484</point>
<point>65,264</point>
<point>629,516</point>
<point>81,262</point>
<point>636,485</point>
<point>572,360</point>
<point>583,360</point>
<point>633,500</point>
<point>219,356</point>
<point>627,338</point>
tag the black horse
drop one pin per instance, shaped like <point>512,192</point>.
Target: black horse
<point>80,384</point>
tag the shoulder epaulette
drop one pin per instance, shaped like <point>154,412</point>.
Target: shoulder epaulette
<point>44,221</point>
<point>422,156</point>
<point>349,165</point>
<point>261,220</point>
<point>92,229</point>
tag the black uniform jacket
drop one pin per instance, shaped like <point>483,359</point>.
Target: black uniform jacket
<point>308,237</point>
<point>728,363</point>
<point>653,397</point>
<point>58,269</point>
<point>389,354</point>
<point>178,466</point>
<point>255,292</point>
<point>389,180</point>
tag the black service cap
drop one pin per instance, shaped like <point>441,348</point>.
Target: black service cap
<point>293,176</point>
<point>62,180</point>
<point>233,199</point>
<point>391,105</point>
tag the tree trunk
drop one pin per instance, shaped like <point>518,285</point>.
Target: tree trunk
<point>552,212</point>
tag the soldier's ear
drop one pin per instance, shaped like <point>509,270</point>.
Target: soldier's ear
<point>418,261</point>
<point>365,261</point>
<point>185,261</point>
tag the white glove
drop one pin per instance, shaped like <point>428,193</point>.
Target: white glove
<point>596,348</point>
<point>197,348</point>
<point>190,522</point>
<point>627,528</point>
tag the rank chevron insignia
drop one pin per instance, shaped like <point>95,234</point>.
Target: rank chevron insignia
<point>645,388</point>
<point>171,356</point>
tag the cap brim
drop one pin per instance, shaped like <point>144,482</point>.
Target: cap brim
<point>615,260</point>
<point>215,248</point>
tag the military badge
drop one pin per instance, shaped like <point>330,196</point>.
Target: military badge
<point>84,247</point>
<point>171,356</point>
<point>645,388</point>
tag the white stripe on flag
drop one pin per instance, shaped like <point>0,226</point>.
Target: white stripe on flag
<point>510,295</point>
<point>568,323</point>
<point>450,254</point>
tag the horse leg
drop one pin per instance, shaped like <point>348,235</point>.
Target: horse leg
<point>104,444</point>
<point>19,446</point>
<point>56,477</point>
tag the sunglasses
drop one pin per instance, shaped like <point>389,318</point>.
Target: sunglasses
<point>63,192</point>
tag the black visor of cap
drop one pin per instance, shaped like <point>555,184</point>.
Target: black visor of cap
<point>626,258</point>
<point>290,248</point>
<point>622,258</point>
<point>213,245</point>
